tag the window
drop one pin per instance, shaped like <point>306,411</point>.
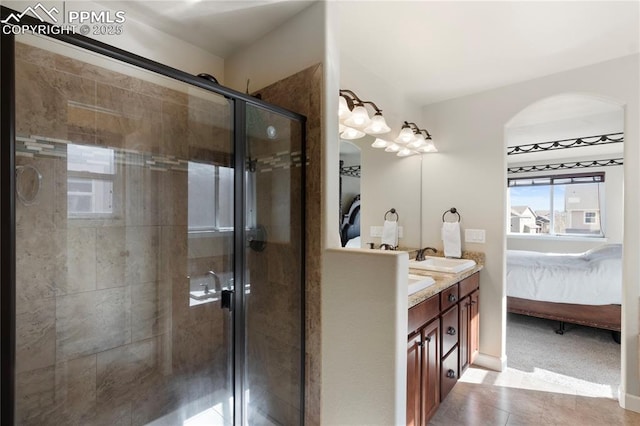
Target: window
<point>211,198</point>
<point>557,205</point>
<point>90,177</point>
<point>590,218</point>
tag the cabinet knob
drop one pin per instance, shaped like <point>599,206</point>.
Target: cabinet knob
<point>452,298</point>
<point>451,331</point>
<point>473,302</point>
<point>451,374</point>
<point>418,342</point>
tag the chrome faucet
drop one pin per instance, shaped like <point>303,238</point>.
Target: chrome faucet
<point>387,247</point>
<point>217,285</point>
<point>421,252</point>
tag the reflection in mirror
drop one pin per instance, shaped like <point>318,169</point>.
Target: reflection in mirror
<point>350,195</point>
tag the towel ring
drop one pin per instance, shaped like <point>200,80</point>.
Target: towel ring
<point>452,210</point>
<point>392,211</point>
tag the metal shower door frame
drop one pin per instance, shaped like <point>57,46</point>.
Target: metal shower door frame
<point>240,102</point>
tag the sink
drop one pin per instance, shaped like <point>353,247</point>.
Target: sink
<point>442,264</point>
<point>201,295</point>
<point>419,282</point>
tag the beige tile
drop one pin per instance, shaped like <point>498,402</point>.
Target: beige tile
<point>35,334</point>
<point>111,256</point>
<point>142,246</point>
<point>75,391</point>
<point>43,99</point>
<point>91,322</point>
<point>34,55</point>
<point>174,197</point>
<point>38,259</point>
<point>80,268</point>
<point>127,370</point>
<point>195,345</point>
<point>141,199</point>
<point>148,312</point>
<point>34,395</point>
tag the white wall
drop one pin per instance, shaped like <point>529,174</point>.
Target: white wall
<point>470,172</point>
<point>292,47</point>
<point>364,369</point>
<point>145,41</point>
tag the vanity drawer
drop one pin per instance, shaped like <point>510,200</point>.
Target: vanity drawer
<point>469,284</point>
<point>448,373</point>
<point>449,297</point>
<point>423,312</point>
<point>449,330</point>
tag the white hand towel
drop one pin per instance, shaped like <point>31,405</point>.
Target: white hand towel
<point>451,239</point>
<point>390,233</point>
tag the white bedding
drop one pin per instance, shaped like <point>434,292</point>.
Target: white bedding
<point>590,278</point>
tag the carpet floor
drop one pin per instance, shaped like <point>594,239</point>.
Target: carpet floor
<point>583,359</point>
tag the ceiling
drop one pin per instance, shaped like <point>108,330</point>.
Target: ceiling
<point>217,26</point>
<point>428,50</point>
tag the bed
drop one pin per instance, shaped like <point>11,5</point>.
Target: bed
<point>350,226</point>
<point>581,288</point>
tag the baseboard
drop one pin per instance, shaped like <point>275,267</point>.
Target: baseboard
<point>629,402</point>
<point>491,362</point>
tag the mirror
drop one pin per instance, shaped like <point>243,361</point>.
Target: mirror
<point>386,181</point>
<point>350,174</point>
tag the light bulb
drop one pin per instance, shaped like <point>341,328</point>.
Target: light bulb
<point>417,142</point>
<point>350,133</point>
<point>378,126</point>
<point>380,143</point>
<point>428,147</point>
<point>359,118</point>
<point>405,152</point>
<point>343,108</point>
<point>406,135</point>
<point>393,148</point>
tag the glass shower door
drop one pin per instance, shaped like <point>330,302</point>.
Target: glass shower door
<point>124,225</point>
<point>274,296</point>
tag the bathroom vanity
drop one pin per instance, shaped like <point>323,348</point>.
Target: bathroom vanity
<point>443,339</point>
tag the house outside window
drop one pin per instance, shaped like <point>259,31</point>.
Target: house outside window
<point>557,205</point>
<point>590,218</point>
<point>90,179</point>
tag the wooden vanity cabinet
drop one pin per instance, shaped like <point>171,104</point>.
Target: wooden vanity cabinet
<point>443,342</point>
<point>469,289</point>
<point>423,362</point>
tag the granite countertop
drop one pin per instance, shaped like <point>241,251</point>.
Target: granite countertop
<point>444,280</point>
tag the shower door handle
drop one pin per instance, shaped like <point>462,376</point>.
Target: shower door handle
<point>226,300</point>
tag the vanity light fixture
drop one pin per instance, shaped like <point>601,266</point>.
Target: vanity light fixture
<point>349,133</point>
<point>406,134</point>
<point>394,147</point>
<point>353,113</point>
<point>380,143</point>
<point>355,123</point>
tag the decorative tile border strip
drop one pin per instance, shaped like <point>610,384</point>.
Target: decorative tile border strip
<point>40,146</point>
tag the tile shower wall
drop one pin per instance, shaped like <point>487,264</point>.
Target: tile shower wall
<point>105,333</point>
<point>301,92</point>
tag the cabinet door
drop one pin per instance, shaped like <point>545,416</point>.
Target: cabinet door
<point>474,326</point>
<point>464,343</point>
<point>430,370</point>
<point>414,366</point>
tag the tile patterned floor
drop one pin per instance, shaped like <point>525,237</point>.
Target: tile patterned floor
<point>484,397</point>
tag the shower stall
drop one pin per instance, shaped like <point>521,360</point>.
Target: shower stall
<point>152,243</point>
